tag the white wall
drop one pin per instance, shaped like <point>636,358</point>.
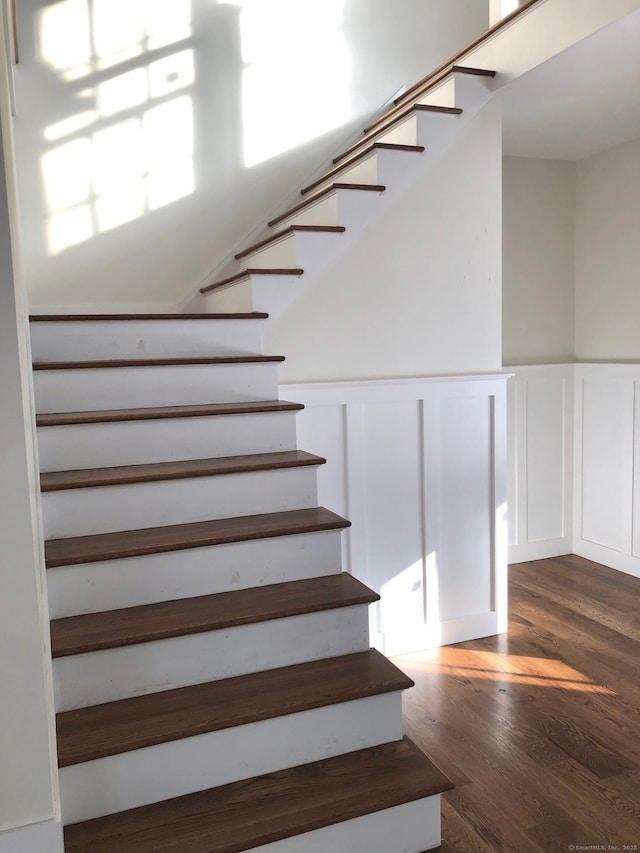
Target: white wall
<point>419,467</point>
<point>419,293</point>
<point>538,231</point>
<point>27,753</point>
<point>325,65</point>
<point>608,255</point>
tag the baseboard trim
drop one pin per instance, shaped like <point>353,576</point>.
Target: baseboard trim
<point>626,563</point>
<point>540,550</point>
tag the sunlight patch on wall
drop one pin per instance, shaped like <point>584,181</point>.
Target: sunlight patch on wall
<point>296,79</point>
<point>129,147</point>
<point>402,597</point>
<point>507,7</point>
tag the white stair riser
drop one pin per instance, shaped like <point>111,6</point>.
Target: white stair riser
<point>275,291</point>
<point>467,92</point>
<point>116,339</point>
<point>168,770</point>
<point>108,509</point>
<point>272,293</point>
<point>382,167</point>
<point>113,584</point>
<point>349,208</point>
<point>445,94</point>
<point>237,297</point>
<point>323,212</point>
<point>299,250</point>
<point>65,448</point>
<point>416,823</point>
<point>140,387</point>
<point>127,671</point>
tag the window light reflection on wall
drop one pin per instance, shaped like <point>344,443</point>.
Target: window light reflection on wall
<point>129,147</point>
<point>295,81</point>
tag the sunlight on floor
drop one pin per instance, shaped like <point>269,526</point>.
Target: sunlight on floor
<point>296,80</point>
<point>506,668</point>
<point>129,147</point>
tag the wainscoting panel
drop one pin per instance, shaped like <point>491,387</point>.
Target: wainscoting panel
<point>419,467</point>
<point>540,442</point>
<point>607,476</point>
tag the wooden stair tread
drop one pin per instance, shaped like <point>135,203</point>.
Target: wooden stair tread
<point>249,272</point>
<point>90,733</point>
<point>267,809</point>
<point>319,195</point>
<point>54,318</point>
<point>198,534</point>
<point>156,362</point>
<point>125,474</point>
<point>162,412</point>
<point>422,88</point>
<point>314,229</point>
<point>366,152</point>
<point>398,115</point>
<point>146,623</point>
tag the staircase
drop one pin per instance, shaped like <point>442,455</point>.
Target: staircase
<point>311,234</point>
<point>214,686</point>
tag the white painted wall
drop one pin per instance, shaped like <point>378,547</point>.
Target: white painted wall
<point>608,255</point>
<point>419,293</point>
<point>27,753</point>
<point>419,466</point>
<point>175,127</point>
<point>539,198</point>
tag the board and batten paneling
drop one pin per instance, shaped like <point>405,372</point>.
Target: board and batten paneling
<point>419,467</point>
<point>607,465</point>
<point>540,453</point>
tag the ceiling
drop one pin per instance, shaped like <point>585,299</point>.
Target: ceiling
<point>581,101</point>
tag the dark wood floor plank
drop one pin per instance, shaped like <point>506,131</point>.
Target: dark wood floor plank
<point>458,834</point>
<point>581,602</point>
<point>266,809</point>
<point>550,713</point>
<point>146,623</point>
<point>128,724</point>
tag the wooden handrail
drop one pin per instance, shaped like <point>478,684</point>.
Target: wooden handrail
<point>455,59</point>
<point>446,68</point>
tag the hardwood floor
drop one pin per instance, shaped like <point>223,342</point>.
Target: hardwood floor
<point>539,730</point>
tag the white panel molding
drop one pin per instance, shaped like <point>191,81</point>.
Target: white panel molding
<point>574,463</point>
<point>422,460</point>
<point>606,465</point>
<point>540,426</point>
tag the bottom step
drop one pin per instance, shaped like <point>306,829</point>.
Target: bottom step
<point>378,800</point>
